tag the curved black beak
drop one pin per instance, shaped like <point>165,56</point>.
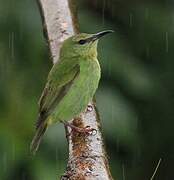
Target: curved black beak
<point>99,35</point>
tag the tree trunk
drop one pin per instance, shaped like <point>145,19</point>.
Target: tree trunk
<point>87,157</point>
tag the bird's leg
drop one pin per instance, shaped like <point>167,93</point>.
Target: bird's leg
<point>86,130</point>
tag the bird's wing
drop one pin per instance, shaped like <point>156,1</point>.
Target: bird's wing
<point>59,81</point>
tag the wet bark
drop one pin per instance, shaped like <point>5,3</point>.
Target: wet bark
<point>87,157</point>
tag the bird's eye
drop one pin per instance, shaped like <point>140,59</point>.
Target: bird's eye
<point>82,41</point>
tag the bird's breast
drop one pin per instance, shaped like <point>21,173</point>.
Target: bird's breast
<point>89,77</point>
<point>90,68</point>
<point>81,92</point>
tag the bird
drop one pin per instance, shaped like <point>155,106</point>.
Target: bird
<point>71,83</point>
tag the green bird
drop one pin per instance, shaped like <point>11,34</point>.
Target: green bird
<point>71,83</point>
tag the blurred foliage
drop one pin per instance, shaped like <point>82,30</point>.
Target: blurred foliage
<point>135,97</point>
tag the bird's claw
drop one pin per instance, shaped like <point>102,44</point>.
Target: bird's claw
<point>86,130</point>
<point>91,131</point>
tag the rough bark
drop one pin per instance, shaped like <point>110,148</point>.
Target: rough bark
<point>87,157</point>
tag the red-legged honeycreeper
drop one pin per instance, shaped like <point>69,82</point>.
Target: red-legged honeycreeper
<point>71,83</point>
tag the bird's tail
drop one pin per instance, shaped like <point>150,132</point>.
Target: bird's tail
<point>38,137</point>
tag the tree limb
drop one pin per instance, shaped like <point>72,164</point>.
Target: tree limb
<point>87,157</point>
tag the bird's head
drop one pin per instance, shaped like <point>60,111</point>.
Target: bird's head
<point>82,44</point>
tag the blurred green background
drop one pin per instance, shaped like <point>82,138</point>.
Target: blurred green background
<point>135,97</point>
